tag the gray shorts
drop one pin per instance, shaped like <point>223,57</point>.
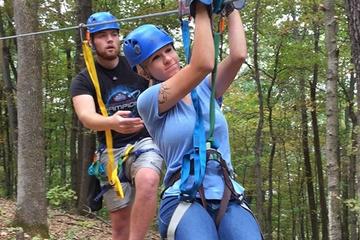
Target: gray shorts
<point>150,159</point>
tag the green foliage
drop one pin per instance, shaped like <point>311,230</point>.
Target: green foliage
<point>353,205</point>
<point>71,233</point>
<point>61,196</point>
<point>86,224</point>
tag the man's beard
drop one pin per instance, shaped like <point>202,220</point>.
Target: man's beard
<point>106,56</point>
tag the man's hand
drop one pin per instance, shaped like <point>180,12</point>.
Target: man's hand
<point>122,122</point>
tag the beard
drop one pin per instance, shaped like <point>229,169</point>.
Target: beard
<point>108,55</point>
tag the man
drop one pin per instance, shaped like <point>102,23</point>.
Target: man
<point>120,88</point>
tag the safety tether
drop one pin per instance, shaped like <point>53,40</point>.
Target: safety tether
<point>217,37</point>
<point>111,169</point>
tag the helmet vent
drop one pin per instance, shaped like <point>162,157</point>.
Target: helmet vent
<point>137,49</point>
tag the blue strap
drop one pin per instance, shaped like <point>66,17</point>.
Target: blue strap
<point>138,152</point>
<point>186,39</point>
<point>104,189</point>
<point>194,163</point>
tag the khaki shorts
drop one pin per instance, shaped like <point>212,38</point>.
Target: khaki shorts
<point>150,159</point>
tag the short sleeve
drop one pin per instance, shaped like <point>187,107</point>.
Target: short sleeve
<point>148,107</point>
<point>80,85</point>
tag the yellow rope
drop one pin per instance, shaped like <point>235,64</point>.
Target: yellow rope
<point>111,169</point>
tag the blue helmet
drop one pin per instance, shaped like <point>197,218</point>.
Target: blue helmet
<point>144,41</point>
<point>107,18</point>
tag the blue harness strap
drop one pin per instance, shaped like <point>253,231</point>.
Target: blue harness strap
<point>196,159</point>
<point>186,39</point>
<point>194,163</point>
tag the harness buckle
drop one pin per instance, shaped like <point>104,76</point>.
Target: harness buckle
<point>196,149</point>
<point>185,197</point>
<point>241,198</point>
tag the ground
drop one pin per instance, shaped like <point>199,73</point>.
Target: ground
<point>62,225</point>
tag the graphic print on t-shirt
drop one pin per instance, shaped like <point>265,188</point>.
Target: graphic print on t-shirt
<point>123,99</point>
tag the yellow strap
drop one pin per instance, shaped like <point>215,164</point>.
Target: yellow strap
<point>111,170</point>
<point>127,152</point>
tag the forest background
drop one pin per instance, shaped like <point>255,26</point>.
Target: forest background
<point>292,111</point>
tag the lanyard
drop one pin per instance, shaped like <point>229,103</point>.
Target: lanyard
<point>111,169</point>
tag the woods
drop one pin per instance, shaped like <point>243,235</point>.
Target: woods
<point>292,112</point>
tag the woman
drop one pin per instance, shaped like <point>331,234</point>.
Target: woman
<point>168,112</point>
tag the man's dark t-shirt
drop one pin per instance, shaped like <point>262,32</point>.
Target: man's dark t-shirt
<point>120,88</point>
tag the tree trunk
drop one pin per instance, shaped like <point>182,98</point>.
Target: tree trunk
<point>83,10</point>
<point>354,229</point>
<point>332,125</point>
<point>31,211</point>
<point>273,147</point>
<point>307,163</point>
<point>348,166</point>
<point>279,208</point>
<point>88,148</point>
<point>292,206</point>
<point>259,131</point>
<point>351,113</point>
<point>302,230</point>
<point>74,170</point>
<point>65,112</point>
<point>315,128</point>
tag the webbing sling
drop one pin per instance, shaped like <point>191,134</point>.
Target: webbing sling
<point>211,139</point>
<point>111,169</point>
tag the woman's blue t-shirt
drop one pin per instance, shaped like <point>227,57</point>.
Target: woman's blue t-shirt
<point>173,131</point>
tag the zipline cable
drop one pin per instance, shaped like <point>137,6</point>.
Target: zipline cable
<point>82,25</point>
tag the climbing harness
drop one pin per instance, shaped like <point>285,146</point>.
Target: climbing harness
<point>97,168</point>
<point>194,163</point>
